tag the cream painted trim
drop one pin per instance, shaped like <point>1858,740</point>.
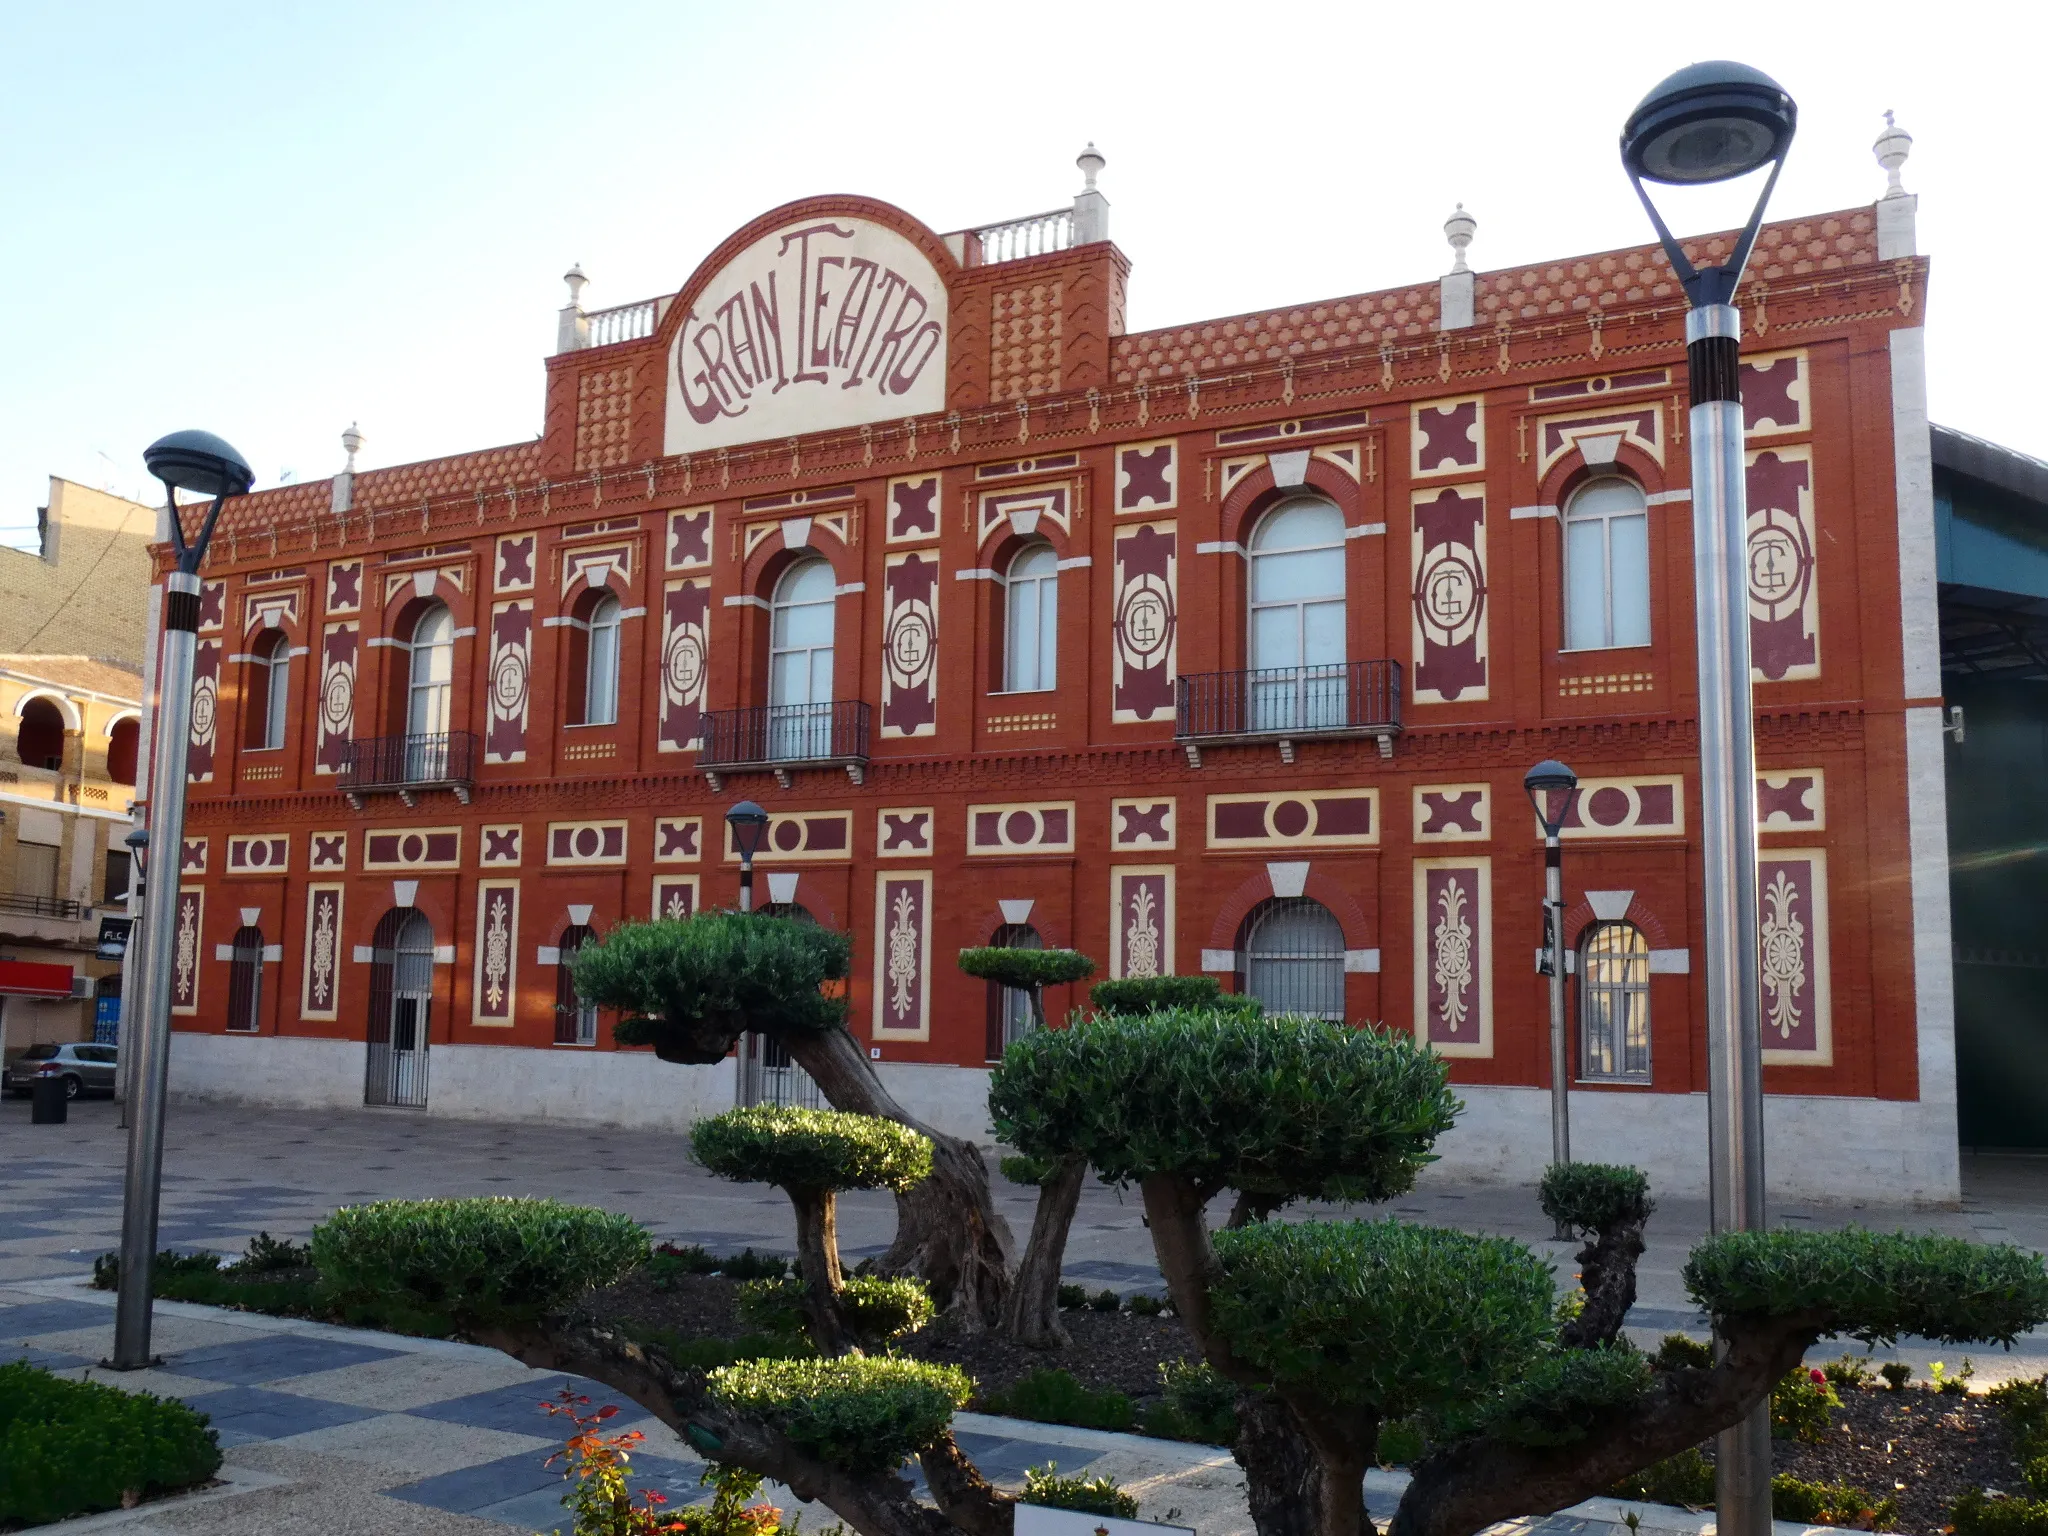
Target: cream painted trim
<point>1666,498</point>
<point>1366,531</point>
<point>1221,547</point>
<point>1523,514</point>
<point>748,600</point>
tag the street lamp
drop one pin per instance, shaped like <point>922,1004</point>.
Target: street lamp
<point>749,825</point>
<point>202,463</point>
<point>1710,123</point>
<point>1552,788</point>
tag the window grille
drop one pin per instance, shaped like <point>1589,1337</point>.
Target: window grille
<point>575,1020</point>
<point>245,981</point>
<point>401,1000</point>
<point>1614,1004</point>
<point>1290,956</point>
<point>768,1073</point>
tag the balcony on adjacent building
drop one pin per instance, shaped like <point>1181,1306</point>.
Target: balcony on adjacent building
<point>408,766</point>
<point>779,738</point>
<point>1346,699</point>
<point>28,905</point>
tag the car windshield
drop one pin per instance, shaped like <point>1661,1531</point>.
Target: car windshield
<point>44,1052</point>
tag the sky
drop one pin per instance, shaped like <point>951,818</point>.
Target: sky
<point>271,220</point>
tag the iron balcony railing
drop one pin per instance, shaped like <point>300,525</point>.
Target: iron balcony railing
<point>786,734</point>
<point>40,906</point>
<point>436,760</point>
<point>1347,698</point>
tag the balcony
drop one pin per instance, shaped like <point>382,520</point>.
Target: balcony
<point>779,738</point>
<point>407,765</point>
<point>1346,699</point>
<point>22,904</point>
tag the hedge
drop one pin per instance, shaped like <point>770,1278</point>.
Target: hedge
<point>71,1447</point>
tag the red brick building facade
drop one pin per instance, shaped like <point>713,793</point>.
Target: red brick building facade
<point>1218,648</point>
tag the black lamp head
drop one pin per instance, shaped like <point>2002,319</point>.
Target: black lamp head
<point>1709,122</point>
<point>1551,788</point>
<point>748,822</point>
<point>200,462</point>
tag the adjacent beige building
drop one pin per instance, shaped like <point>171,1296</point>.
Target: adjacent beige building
<point>85,593</point>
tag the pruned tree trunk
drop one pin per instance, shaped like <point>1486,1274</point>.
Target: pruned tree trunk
<point>1031,1312</point>
<point>1607,1274</point>
<point>948,1232</point>
<point>817,1262</point>
<point>879,1504</point>
<point>1283,1481</point>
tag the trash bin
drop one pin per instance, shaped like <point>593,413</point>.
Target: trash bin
<point>48,1105</point>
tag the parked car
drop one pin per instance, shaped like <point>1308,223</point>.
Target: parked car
<point>85,1069</point>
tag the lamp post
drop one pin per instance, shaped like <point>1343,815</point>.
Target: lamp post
<point>1552,788</point>
<point>1711,123</point>
<point>133,967</point>
<point>187,461</point>
<point>749,825</point>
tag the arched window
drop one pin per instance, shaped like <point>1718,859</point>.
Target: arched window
<point>575,1020</point>
<point>429,687</point>
<point>1296,638</point>
<point>40,738</point>
<point>601,664</point>
<point>1009,1008</point>
<point>245,980</point>
<point>1031,599</point>
<point>268,694</point>
<point>121,750</point>
<point>1291,957</point>
<point>800,662</point>
<point>1606,566</point>
<point>401,1002</point>
<point>1614,1004</point>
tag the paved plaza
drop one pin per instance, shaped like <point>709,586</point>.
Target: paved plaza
<point>354,1431</point>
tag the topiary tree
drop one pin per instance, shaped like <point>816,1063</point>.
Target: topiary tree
<point>1609,1205</point>
<point>1030,1312</point>
<point>1332,1329</point>
<point>1151,994</point>
<point>691,988</point>
<point>811,1155</point>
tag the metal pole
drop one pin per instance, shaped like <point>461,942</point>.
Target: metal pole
<point>1735,1141</point>
<point>1560,1046</point>
<point>134,967</point>
<point>746,882</point>
<point>152,1019</point>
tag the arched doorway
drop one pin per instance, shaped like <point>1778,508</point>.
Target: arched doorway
<point>768,1073</point>
<point>1009,1008</point>
<point>1291,957</point>
<point>401,997</point>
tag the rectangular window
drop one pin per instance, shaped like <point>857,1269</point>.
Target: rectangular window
<point>117,876</point>
<point>35,870</point>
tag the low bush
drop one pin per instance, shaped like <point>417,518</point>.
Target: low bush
<point>1978,1514</point>
<point>1830,1504</point>
<point>204,1279</point>
<point>1073,1297</point>
<point>71,1447</point>
<point>1196,1402</point>
<point>1896,1374</point>
<point>2024,1406</point>
<point>1055,1397</point>
<point>749,1265</point>
<point>1800,1405</point>
<point>700,1354</point>
<point>267,1255</point>
<point>1850,1371</point>
<point>858,1413</point>
<point>1686,1479</point>
<point>1105,1301</point>
<point>670,1261</point>
<point>106,1269</point>
<point>1954,1383</point>
<point>1087,1495</point>
<point>1593,1197</point>
<point>1152,994</point>
<point>1677,1350</point>
<point>876,1309</point>
<point>812,1149</point>
<point>481,1261</point>
<point>1141,1305</point>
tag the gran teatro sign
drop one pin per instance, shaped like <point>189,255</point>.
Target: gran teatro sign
<point>826,322</point>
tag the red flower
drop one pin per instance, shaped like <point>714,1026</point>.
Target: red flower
<point>1819,1378</point>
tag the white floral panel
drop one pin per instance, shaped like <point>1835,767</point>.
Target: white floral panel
<point>1454,955</point>
<point>903,943</point>
<point>320,990</point>
<point>494,996</point>
<point>1792,954</point>
<point>1141,920</point>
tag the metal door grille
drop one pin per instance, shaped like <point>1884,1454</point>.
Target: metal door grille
<point>575,1020</point>
<point>1290,956</point>
<point>769,1075</point>
<point>1009,1008</point>
<point>401,995</point>
<point>245,981</point>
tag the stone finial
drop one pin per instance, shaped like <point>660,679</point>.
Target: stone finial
<point>1891,149</point>
<point>351,444</point>
<point>1459,229</point>
<point>572,326</point>
<point>1091,162</point>
<point>575,279</point>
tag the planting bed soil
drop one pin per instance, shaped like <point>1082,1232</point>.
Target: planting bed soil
<point>1920,1447</point>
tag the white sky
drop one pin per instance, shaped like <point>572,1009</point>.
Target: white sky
<point>272,218</point>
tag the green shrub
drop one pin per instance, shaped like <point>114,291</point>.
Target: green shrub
<point>1026,968</point>
<point>1402,1443</point>
<point>266,1255</point>
<point>1154,994</point>
<point>1951,1383</point>
<point>1874,1286</point>
<point>1676,1351</point>
<point>1072,1297</point>
<point>1830,1504</point>
<point>1088,1495</point>
<point>1019,1169</point>
<point>1554,1399</point>
<point>480,1261</point>
<point>1896,1374</point>
<point>812,1149</point>
<point>1975,1514</point>
<point>1055,1397</point>
<point>1592,1197</point>
<point>106,1269</point>
<point>860,1414</point>
<point>1197,1402</point>
<point>708,1354</point>
<point>70,1447</point>
<point>1315,1302</point>
<point>1849,1372</point>
<point>670,1263</point>
<point>876,1309</point>
<point>1138,1304</point>
<point>2024,1405</point>
<point>1800,1405</point>
<point>1687,1479</point>
<point>689,988</point>
<point>749,1265</point>
<point>1105,1301</point>
<point>1287,1105</point>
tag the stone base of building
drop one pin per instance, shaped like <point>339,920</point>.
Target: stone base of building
<point>1819,1149</point>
